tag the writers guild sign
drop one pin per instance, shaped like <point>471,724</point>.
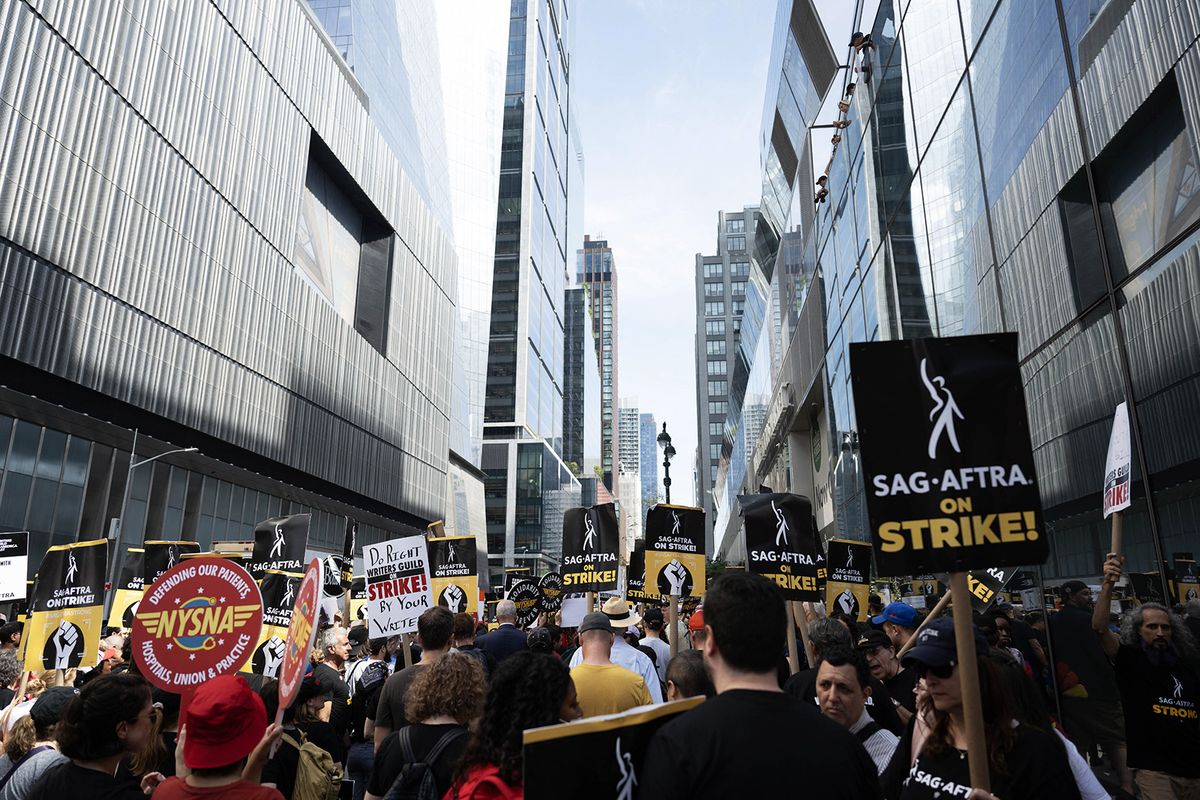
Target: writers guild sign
<point>944,438</point>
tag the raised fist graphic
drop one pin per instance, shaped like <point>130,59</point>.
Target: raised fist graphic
<point>454,598</point>
<point>65,640</point>
<point>272,656</point>
<point>676,574</point>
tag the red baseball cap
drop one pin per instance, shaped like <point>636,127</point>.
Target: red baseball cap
<point>696,621</point>
<point>225,720</point>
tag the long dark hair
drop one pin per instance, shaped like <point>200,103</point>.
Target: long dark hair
<point>527,691</point>
<point>998,719</point>
<point>89,724</point>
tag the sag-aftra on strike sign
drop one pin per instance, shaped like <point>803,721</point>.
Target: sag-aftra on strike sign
<point>948,467</point>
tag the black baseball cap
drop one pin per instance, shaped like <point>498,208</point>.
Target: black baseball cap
<point>872,639</point>
<point>358,635</point>
<point>50,705</point>
<point>596,621</point>
<point>936,647</point>
<point>1071,587</point>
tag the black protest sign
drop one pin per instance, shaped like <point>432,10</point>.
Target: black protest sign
<point>158,556</point>
<point>1187,578</point>
<point>1147,586</point>
<point>349,543</point>
<point>551,587</point>
<point>452,573</point>
<point>849,583</point>
<point>609,750</point>
<point>66,606</point>
<point>635,576</point>
<point>526,596</point>
<point>279,544</point>
<point>949,471</point>
<point>781,542</point>
<point>675,550</point>
<point>985,584</point>
<point>278,598</point>
<point>1022,581</point>
<point>358,597</point>
<point>331,576</point>
<point>591,541</point>
<point>514,574</point>
<point>128,591</point>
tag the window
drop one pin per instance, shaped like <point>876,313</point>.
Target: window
<point>735,225</point>
<point>716,429</point>
<point>716,367</point>
<point>714,308</point>
<point>738,307</point>
<point>714,270</point>
<point>713,473</point>
<point>714,452</point>
<point>714,327</point>
<point>718,407</point>
<point>718,387</point>
<point>739,269</point>
<point>738,288</point>
<point>716,347</point>
<point>714,290</point>
<point>735,243</point>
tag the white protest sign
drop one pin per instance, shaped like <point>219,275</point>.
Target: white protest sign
<point>1117,464</point>
<point>14,565</point>
<point>397,585</point>
<point>573,609</point>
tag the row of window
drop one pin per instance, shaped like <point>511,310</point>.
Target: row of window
<point>737,225</point>
<point>716,367</point>
<point>738,288</point>
<point>718,387</point>
<point>714,308</point>
<point>714,327</point>
<point>716,347</point>
<point>718,407</point>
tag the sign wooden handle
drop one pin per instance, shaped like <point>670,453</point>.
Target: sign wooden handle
<point>968,679</point>
<point>933,614</point>
<point>674,616</point>
<point>408,662</point>
<point>1117,519</point>
<point>793,655</point>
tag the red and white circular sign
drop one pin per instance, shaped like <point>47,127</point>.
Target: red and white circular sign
<point>300,635</point>
<point>199,620</point>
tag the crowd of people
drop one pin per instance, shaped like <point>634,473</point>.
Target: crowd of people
<point>876,711</point>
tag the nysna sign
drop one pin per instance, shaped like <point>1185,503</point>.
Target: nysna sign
<point>951,483</point>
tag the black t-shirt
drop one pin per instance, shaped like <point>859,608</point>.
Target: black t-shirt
<point>1080,659</point>
<point>1161,704</point>
<point>389,712</point>
<point>743,744</point>
<point>389,759</point>
<point>281,770</point>
<point>339,694</point>
<point>365,703</point>
<point>68,780</point>
<point>879,705</point>
<point>900,686</point>
<point>1035,769</point>
<point>6,696</point>
<point>167,765</point>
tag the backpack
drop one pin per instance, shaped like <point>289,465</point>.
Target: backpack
<point>416,781</point>
<point>317,776</point>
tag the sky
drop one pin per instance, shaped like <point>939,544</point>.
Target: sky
<point>668,96</point>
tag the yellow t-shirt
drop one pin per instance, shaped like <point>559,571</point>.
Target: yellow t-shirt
<point>608,689</point>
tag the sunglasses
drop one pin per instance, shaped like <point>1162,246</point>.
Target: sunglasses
<point>941,673</point>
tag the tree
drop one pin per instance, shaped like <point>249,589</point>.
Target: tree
<point>575,470</point>
<point>714,567</point>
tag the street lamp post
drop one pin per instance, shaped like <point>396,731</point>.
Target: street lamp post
<point>664,441</point>
<point>120,532</point>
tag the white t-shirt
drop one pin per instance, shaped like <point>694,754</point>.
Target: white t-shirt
<point>662,654</point>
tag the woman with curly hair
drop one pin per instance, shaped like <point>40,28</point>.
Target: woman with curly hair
<point>442,701</point>
<point>528,690</point>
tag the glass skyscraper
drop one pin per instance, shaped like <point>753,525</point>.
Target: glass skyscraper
<point>528,485</point>
<point>649,459</point>
<point>598,273</point>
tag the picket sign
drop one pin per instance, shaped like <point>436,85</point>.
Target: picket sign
<point>1117,475</point>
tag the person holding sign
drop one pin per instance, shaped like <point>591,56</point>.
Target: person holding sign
<point>1024,761</point>
<point>602,686</point>
<point>752,739</point>
<point>1158,674</point>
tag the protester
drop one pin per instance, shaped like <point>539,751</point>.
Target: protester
<point>751,740</point>
<point>842,691</point>
<point>828,636</point>
<point>334,644</point>
<point>364,704</point>
<point>159,753</point>
<point>880,655</point>
<point>464,639</point>
<point>528,690</point>
<point>602,686</point>
<point>687,676</point>
<point>654,622</point>
<point>1023,761</point>
<point>899,621</point>
<point>110,719</point>
<point>435,626</point>
<point>874,605</point>
<point>1157,666</point>
<point>442,701</point>
<point>280,771</point>
<point>1193,618</point>
<point>1023,638</point>
<point>696,630</point>
<point>225,744</point>
<point>32,749</point>
<point>10,636</point>
<point>507,639</point>
<point>539,640</point>
<point>998,634</point>
<point>10,676</point>
<point>360,656</point>
<point>1088,694</point>
<point>623,654</point>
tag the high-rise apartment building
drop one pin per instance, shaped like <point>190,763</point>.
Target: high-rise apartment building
<point>629,436</point>
<point>256,274</point>
<point>648,457</point>
<point>721,289</point>
<point>597,271</point>
<point>528,485</point>
<point>581,393</point>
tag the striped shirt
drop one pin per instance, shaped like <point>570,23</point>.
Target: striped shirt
<point>880,745</point>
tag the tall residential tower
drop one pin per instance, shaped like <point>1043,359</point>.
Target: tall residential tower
<point>598,272</point>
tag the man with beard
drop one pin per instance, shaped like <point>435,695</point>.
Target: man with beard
<point>1158,675</point>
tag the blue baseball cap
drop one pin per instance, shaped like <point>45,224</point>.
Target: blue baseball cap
<point>902,614</point>
<point>936,646</point>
